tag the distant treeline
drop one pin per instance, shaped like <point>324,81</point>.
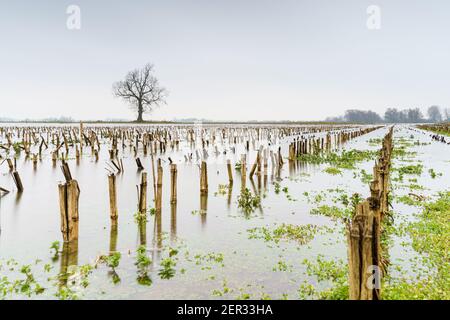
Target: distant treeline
<point>393,115</point>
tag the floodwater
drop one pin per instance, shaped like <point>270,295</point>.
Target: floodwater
<point>30,221</point>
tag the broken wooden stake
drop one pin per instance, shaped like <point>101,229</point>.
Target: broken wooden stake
<point>69,194</point>
<point>17,181</point>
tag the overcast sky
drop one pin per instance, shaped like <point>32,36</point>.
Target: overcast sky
<point>228,60</point>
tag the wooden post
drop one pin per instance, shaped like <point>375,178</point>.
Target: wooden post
<point>158,202</point>
<point>139,164</point>
<point>10,164</point>
<point>69,194</point>
<point>54,157</point>
<point>143,194</point>
<point>81,134</point>
<point>243,171</point>
<point>173,183</point>
<point>17,181</point>
<point>112,197</point>
<point>253,169</point>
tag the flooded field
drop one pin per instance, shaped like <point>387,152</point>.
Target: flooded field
<point>276,232</point>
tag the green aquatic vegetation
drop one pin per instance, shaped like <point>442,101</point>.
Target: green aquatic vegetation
<point>265,296</point>
<point>414,186</point>
<point>366,177</point>
<point>168,264</point>
<point>73,280</point>
<point>411,169</point>
<point>48,267</point>
<point>243,296</point>
<point>205,260</point>
<point>140,218</point>
<point>277,187</point>
<point>315,198</point>
<point>300,234</point>
<point>248,202</point>
<point>285,190</point>
<point>402,141</point>
<point>282,266</point>
<point>66,293</point>
<point>332,273</point>
<point>413,289</point>
<point>27,286</point>
<point>173,252</point>
<point>142,260</point>
<point>55,246</point>
<point>69,283</point>
<point>198,212</point>
<point>225,289</point>
<point>332,212</point>
<point>345,200</point>
<point>400,152</point>
<point>222,189</point>
<point>430,235</point>
<point>168,268</point>
<point>142,263</point>
<point>333,171</point>
<point>434,174</point>
<point>408,200</point>
<point>17,146</point>
<point>344,160</point>
<point>375,142</point>
<point>111,260</point>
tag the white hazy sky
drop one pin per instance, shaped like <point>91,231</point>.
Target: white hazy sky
<point>240,60</point>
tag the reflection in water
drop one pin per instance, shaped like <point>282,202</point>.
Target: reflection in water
<point>142,233</point>
<point>173,222</point>
<point>158,230</point>
<point>230,191</point>
<point>69,257</point>
<point>259,183</point>
<point>1,195</point>
<point>113,238</point>
<point>203,208</point>
<point>291,168</point>
<point>18,197</point>
<point>253,185</point>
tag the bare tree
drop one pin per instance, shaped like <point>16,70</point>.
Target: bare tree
<point>434,114</point>
<point>141,90</point>
<point>447,114</point>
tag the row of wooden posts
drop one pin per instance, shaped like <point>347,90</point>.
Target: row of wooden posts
<point>366,261</point>
<point>155,138</point>
<point>69,191</point>
<point>311,145</point>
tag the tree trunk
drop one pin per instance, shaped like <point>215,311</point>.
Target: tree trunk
<point>140,112</point>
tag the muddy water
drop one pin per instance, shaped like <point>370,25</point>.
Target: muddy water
<point>30,222</point>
